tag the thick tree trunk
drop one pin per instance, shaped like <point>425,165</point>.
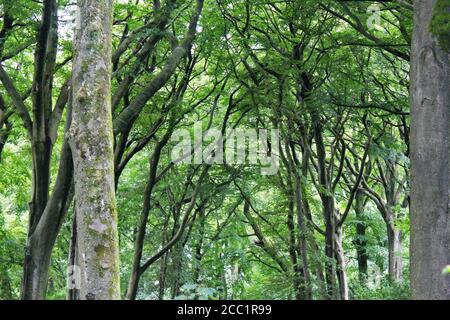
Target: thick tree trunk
<point>430,109</point>
<point>35,269</point>
<point>39,246</point>
<point>42,239</point>
<point>92,150</point>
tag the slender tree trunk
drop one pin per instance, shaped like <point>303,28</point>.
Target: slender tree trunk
<point>5,125</point>
<point>199,247</point>
<point>430,117</point>
<point>176,254</point>
<point>162,277</point>
<point>361,242</point>
<point>394,235</point>
<point>302,236</point>
<point>142,228</point>
<point>73,291</point>
<point>316,257</point>
<point>297,243</point>
<point>177,268</point>
<point>163,265</point>
<point>92,149</point>
<point>394,252</point>
<point>340,265</point>
<point>223,277</point>
<point>328,212</point>
<point>297,272</point>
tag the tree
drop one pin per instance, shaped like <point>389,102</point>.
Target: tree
<point>91,141</point>
<point>430,157</point>
<point>41,126</point>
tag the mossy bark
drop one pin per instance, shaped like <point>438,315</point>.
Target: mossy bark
<point>92,149</point>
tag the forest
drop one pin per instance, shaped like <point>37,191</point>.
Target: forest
<point>224,150</point>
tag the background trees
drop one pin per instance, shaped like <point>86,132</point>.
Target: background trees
<point>332,223</point>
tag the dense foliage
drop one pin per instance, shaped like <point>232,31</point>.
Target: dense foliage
<point>331,76</point>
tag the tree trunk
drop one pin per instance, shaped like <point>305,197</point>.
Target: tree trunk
<point>73,290</point>
<point>394,252</point>
<point>198,249</point>
<point>361,242</point>
<point>92,150</point>
<point>5,125</point>
<point>164,262</point>
<point>316,257</point>
<point>430,108</point>
<point>35,271</point>
<point>340,264</point>
<point>302,235</point>
<point>335,265</point>
<point>297,243</point>
<point>41,241</point>
<point>146,207</point>
<point>176,255</point>
<point>39,245</point>
<point>296,268</point>
<point>42,237</point>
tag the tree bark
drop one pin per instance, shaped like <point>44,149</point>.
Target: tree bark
<point>91,140</point>
<point>335,265</point>
<point>41,240</point>
<point>430,108</point>
<point>73,291</point>
<point>361,241</point>
<point>395,261</point>
<point>5,125</point>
